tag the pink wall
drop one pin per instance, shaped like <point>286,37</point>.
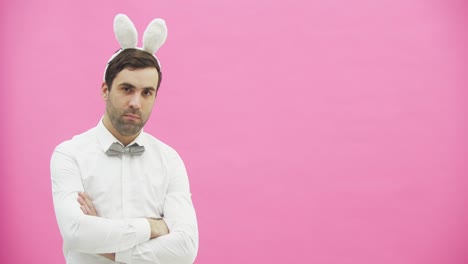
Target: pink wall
<point>313,131</point>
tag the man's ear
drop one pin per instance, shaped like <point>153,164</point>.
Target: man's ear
<point>104,91</point>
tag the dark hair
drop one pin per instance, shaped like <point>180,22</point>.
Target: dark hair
<point>130,59</point>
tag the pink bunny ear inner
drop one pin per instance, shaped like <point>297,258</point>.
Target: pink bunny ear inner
<point>155,35</point>
<point>125,32</point>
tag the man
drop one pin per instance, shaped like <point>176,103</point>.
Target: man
<point>121,195</point>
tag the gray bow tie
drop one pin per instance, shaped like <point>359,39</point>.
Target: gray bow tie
<point>116,149</point>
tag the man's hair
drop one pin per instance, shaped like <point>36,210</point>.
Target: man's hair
<point>130,59</point>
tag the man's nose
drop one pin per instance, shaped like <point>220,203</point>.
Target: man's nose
<point>135,101</point>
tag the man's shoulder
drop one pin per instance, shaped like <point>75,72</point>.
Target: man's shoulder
<point>77,142</point>
<point>159,145</point>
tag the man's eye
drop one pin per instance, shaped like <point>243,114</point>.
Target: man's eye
<point>127,89</point>
<point>148,93</point>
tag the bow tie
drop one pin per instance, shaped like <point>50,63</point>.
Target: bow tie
<point>117,149</point>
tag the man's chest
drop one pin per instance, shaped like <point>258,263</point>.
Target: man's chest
<point>126,186</point>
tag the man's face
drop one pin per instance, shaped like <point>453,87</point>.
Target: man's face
<point>130,100</point>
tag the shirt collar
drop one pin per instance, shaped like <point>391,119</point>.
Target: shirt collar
<point>106,138</point>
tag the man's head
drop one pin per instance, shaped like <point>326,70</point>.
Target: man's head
<point>132,59</point>
<point>131,82</point>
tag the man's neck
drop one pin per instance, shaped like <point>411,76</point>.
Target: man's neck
<point>125,140</point>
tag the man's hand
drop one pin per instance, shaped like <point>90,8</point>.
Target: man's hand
<point>158,227</point>
<point>110,256</point>
<point>86,205</point>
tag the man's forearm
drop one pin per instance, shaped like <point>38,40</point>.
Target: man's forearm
<point>158,228</point>
<point>98,235</point>
<point>157,225</point>
<point>90,234</point>
<point>177,247</point>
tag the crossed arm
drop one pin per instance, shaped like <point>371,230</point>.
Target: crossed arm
<point>136,241</point>
<point>158,226</point>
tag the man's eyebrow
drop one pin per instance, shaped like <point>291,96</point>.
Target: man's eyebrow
<point>150,88</point>
<point>126,84</point>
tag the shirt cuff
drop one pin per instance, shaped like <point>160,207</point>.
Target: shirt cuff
<point>142,234</point>
<point>170,224</point>
<point>124,256</point>
<point>142,230</point>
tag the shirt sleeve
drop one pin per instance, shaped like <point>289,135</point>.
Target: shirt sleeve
<point>83,233</point>
<point>181,244</point>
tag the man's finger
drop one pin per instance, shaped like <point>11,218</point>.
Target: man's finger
<point>90,205</point>
<point>83,209</point>
<point>87,205</point>
<point>80,200</point>
<point>86,201</point>
<point>83,195</point>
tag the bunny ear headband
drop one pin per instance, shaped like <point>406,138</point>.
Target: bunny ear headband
<point>126,34</point>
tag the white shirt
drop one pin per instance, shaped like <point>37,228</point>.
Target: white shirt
<point>125,190</point>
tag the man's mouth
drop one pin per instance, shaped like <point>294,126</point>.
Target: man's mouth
<point>132,116</point>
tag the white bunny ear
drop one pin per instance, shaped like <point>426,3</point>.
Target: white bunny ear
<point>155,35</point>
<point>125,32</point>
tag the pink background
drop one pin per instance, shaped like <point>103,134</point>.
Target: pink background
<point>313,131</point>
